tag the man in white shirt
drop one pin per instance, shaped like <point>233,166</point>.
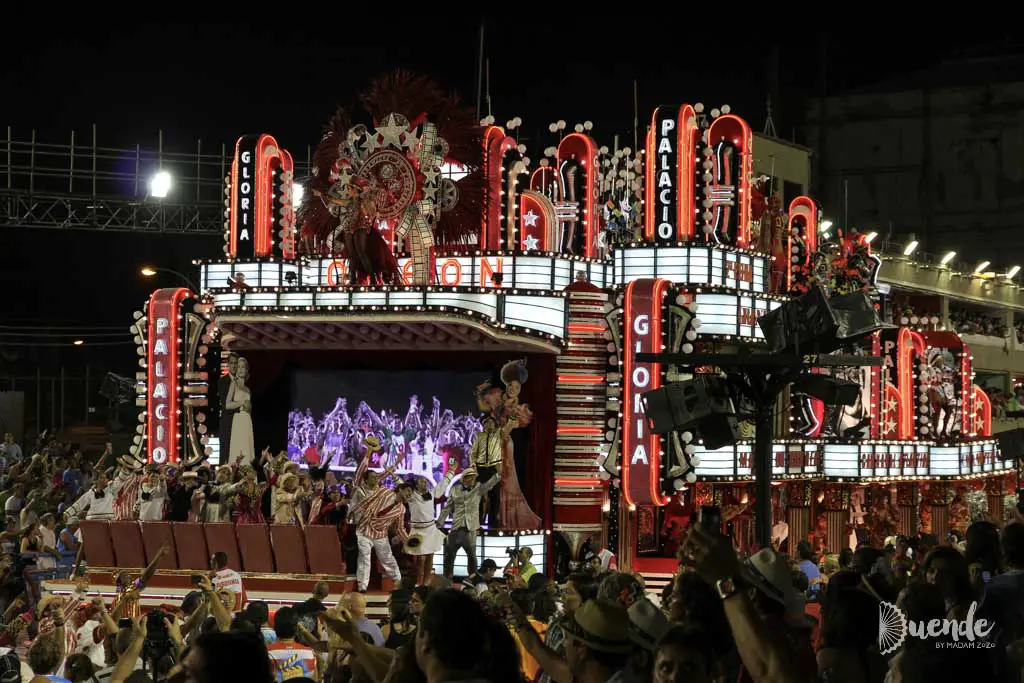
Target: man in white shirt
<point>11,450</point>
<point>227,579</point>
<point>152,496</point>
<point>97,502</point>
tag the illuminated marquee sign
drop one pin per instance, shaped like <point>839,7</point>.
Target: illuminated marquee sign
<point>260,199</point>
<point>694,266</point>
<point>509,272</point>
<point>163,421</point>
<point>538,224</point>
<point>641,449</point>
<point>662,162</point>
<point>733,314</point>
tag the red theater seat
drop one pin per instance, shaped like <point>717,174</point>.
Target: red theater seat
<point>99,550</point>
<point>154,536</point>
<point>254,544</point>
<point>191,543</point>
<point>127,541</point>
<point>289,548</point>
<point>324,550</point>
<point>220,537</point>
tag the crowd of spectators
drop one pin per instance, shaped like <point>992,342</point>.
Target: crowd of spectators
<point>971,322</point>
<point>761,617</point>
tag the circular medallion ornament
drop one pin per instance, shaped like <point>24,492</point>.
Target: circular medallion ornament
<point>449,194</point>
<point>391,180</point>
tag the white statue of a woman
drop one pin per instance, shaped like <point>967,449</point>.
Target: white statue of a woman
<point>240,399</point>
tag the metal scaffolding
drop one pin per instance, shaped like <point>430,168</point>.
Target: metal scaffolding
<point>77,186</point>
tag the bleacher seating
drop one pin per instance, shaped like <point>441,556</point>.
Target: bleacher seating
<point>254,548</point>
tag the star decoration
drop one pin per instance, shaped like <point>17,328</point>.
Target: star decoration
<point>391,132</point>
<point>890,406</point>
<point>531,243</point>
<point>430,175</point>
<point>410,140</point>
<point>430,192</point>
<point>530,219</point>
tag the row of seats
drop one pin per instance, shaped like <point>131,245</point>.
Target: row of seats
<point>258,548</point>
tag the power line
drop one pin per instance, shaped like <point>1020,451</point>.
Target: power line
<point>77,335</point>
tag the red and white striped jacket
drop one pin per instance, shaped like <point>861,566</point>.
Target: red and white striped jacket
<point>378,513</point>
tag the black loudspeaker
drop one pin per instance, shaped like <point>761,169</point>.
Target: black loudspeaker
<point>702,404</point>
<point>815,320</point>
<point>1011,443</point>
<point>676,406</point>
<point>830,390</point>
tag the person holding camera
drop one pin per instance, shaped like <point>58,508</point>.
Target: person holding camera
<point>519,564</point>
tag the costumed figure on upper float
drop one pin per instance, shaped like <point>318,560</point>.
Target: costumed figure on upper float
<point>226,414</point>
<point>494,449</point>
<point>239,398</point>
<point>379,189</point>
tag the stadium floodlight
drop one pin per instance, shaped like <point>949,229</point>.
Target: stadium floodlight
<point>160,184</point>
<point>950,255</point>
<point>824,225</point>
<point>870,237</point>
<point>298,191</point>
<point>982,267</point>
<point>910,248</point>
<point>1012,272</point>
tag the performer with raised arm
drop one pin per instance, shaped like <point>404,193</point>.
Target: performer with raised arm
<point>464,505</point>
<point>126,602</point>
<point>425,538</point>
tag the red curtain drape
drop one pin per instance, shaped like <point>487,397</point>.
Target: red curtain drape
<point>539,393</point>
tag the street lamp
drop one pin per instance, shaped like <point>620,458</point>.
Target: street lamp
<point>78,342</point>
<point>151,271</point>
<point>160,184</point>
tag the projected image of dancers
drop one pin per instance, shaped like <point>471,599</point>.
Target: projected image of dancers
<point>419,432</point>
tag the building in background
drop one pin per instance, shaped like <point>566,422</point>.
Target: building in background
<point>935,154</point>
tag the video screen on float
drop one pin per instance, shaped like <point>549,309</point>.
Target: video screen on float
<point>425,415</point>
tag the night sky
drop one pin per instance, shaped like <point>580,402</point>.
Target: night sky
<point>215,82</point>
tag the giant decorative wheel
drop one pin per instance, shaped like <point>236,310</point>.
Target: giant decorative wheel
<point>392,182</point>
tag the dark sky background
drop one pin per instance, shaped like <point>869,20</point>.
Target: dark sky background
<point>217,81</point>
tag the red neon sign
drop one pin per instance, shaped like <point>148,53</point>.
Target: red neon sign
<point>251,220</point>
<point>689,140</point>
<point>641,448</point>
<point>728,190</point>
<point>582,148</point>
<point>162,377</point>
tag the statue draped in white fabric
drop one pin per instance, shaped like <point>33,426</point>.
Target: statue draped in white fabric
<point>241,444</point>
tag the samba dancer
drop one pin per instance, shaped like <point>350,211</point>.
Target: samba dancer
<point>378,513</point>
<point>425,538</point>
<point>464,504</point>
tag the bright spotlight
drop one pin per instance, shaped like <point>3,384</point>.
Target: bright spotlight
<point>950,255</point>
<point>454,172</point>
<point>824,225</point>
<point>147,271</point>
<point>870,237</point>
<point>297,193</point>
<point>980,270</point>
<point>78,342</point>
<point>1012,272</point>
<point>910,248</point>
<point>160,184</point>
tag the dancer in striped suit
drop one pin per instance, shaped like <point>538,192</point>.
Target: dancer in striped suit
<point>378,513</point>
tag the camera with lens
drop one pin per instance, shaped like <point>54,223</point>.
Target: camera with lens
<point>512,552</point>
<point>158,640</point>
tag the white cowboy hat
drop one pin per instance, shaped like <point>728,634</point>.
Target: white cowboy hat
<point>770,574</point>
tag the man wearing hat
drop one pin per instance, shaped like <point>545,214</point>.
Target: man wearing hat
<point>764,610</point>
<point>597,644</point>
<point>464,505</point>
